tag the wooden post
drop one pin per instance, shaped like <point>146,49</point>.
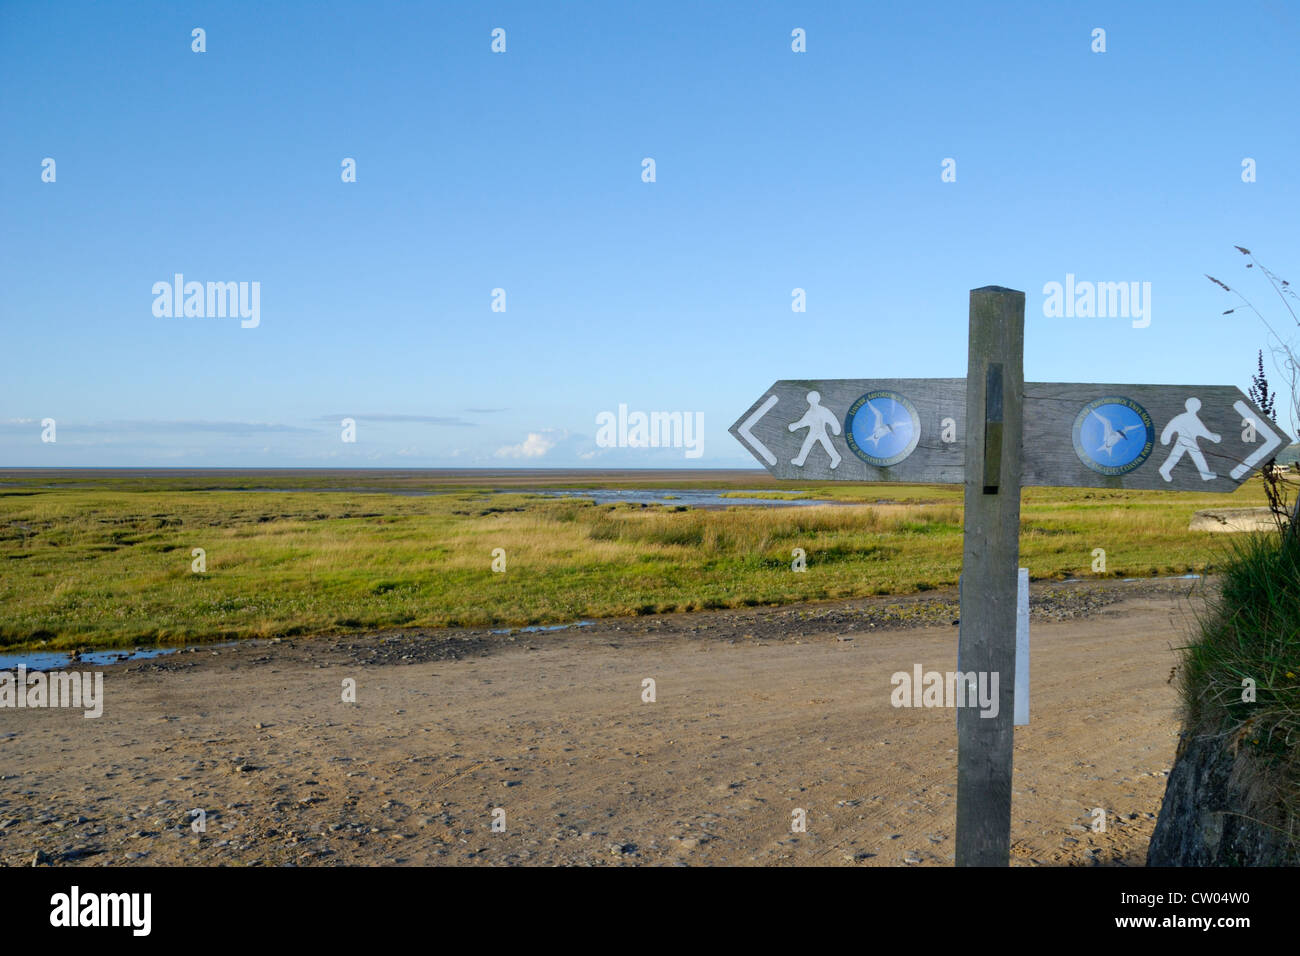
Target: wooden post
<point>995,386</point>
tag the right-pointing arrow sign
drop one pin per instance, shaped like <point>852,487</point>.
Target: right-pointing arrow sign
<point>1272,440</point>
<point>1167,437</point>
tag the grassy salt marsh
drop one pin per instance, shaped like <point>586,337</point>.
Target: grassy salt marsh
<point>106,560</point>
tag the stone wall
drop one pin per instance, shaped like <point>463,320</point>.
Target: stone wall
<point>1218,811</point>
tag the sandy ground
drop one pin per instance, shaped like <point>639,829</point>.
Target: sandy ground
<point>757,713</point>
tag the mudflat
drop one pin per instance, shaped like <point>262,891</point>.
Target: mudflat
<point>537,748</point>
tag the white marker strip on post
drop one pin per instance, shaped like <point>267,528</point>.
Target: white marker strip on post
<point>1022,648</point>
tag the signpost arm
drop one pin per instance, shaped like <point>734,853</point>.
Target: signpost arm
<point>987,638</point>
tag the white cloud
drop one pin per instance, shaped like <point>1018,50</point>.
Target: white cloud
<point>535,445</point>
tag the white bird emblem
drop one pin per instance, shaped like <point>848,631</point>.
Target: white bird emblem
<point>882,428</point>
<point>1112,435</point>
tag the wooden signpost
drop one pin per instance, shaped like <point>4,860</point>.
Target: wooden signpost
<point>996,433</point>
<point>986,638</point>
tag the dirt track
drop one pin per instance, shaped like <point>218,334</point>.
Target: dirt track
<point>757,713</point>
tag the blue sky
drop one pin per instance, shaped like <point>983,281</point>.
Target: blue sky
<point>522,170</point>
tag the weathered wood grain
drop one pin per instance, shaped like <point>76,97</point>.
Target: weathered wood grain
<point>986,640</point>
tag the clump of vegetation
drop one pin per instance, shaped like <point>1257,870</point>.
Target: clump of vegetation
<point>1286,360</point>
<point>1241,678</point>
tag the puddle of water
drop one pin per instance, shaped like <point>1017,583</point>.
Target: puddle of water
<point>401,492</point>
<point>538,628</point>
<point>1176,577</point>
<point>62,660</point>
<point>690,497</point>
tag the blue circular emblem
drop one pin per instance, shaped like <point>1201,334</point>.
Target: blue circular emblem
<point>1113,435</point>
<point>882,428</point>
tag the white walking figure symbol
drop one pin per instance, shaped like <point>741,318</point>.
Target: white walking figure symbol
<point>816,420</point>
<point>1188,427</point>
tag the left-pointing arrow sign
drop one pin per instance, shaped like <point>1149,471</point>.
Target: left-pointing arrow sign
<point>888,429</point>
<point>743,430</point>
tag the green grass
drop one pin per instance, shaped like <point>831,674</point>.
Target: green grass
<point>83,565</point>
<point>1252,630</point>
